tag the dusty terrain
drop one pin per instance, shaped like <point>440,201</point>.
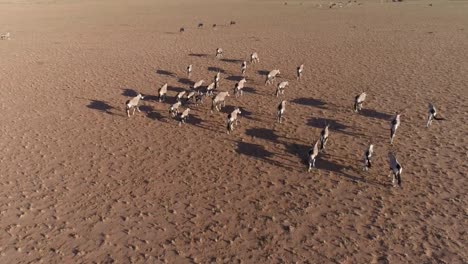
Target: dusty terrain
<point>82,183</point>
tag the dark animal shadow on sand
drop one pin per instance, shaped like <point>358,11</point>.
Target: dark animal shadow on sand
<point>129,92</point>
<point>262,133</point>
<point>164,72</point>
<point>324,164</point>
<point>310,102</point>
<point>244,112</point>
<point>232,61</point>
<point>101,106</point>
<point>175,89</point>
<point>258,152</point>
<point>198,55</point>
<point>263,72</point>
<point>235,78</point>
<point>216,69</point>
<point>334,126</point>
<point>249,90</point>
<point>155,116</point>
<point>186,81</point>
<point>375,114</point>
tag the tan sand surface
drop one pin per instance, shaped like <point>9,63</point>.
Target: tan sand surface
<point>82,183</point>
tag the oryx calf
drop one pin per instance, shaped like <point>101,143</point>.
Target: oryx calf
<point>189,70</point>
<point>280,87</point>
<point>272,76</point>
<point>174,109</point>
<point>243,67</point>
<point>299,71</point>
<point>432,115</point>
<point>324,137</point>
<point>367,157</point>
<point>280,111</point>
<point>219,101</point>
<point>162,92</point>
<point>394,126</point>
<point>312,155</point>
<point>183,117</point>
<point>238,87</point>
<point>219,53</point>
<point>358,101</point>
<point>5,36</point>
<point>395,169</point>
<point>254,58</point>
<point>232,119</point>
<point>132,104</point>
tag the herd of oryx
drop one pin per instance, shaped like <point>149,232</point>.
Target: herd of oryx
<point>218,100</point>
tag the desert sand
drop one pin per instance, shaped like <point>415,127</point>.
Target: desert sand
<point>82,183</point>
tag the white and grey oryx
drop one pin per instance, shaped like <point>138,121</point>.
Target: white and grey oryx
<point>254,58</point>
<point>238,87</point>
<point>432,115</point>
<point>367,157</point>
<point>299,71</point>
<point>280,88</point>
<point>280,111</point>
<point>395,169</point>
<point>271,77</point>
<point>219,101</point>
<point>358,101</point>
<point>233,119</point>
<point>162,93</point>
<point>312,155</point>
<point>132,104</point>
<point>394,126</point>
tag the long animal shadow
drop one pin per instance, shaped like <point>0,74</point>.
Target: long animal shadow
<point>263,72</point>
<point>155,116</point>
<point>198,55</point>
<point>244,112</point>
<point>310,102</point>
<point>175,89</point>
<point>334,126</point>
<point>100,106</point>
<point>232,61</point>
<point>253,150</point>
<point>216,69</point>
<point>129,92</point>
<point>298,150</point>
<point>186,81</point>
<point>249,90</point>
<point>325,164</point>
<point>235,78</point>
<point>375,114</point>
<point>166,73</point>
<point>262,133</point>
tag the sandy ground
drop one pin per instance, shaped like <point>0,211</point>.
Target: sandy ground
<point>82,183</point>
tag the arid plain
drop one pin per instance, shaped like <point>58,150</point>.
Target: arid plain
<point>80,182</point>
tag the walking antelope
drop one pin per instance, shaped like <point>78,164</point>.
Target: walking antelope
<point>432,115</point>
<point>232,119</point>
<point>324,138</point>
<point>219,101</point>
<point>281,108</point>
<point>254,58</point>
<point>198,84</point>
<point>395,169</point>
<point>180,95</point>
<point>312,155</point>
<point>358,101</point>
<point>162,92</point>
<point>183,117</point>
<point>367,157</point>
<point>174,109</point>
<point>272,76</point>
<point>238,87</point>
<point>132,104</point>
<point>280,87</point>
<point>216,79</point>
<point>243,67</point>
<point>219,52</point>
<point>394,126</point>
<point>189,70</point>
<point>299,71</point>
<point>210,88</point>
